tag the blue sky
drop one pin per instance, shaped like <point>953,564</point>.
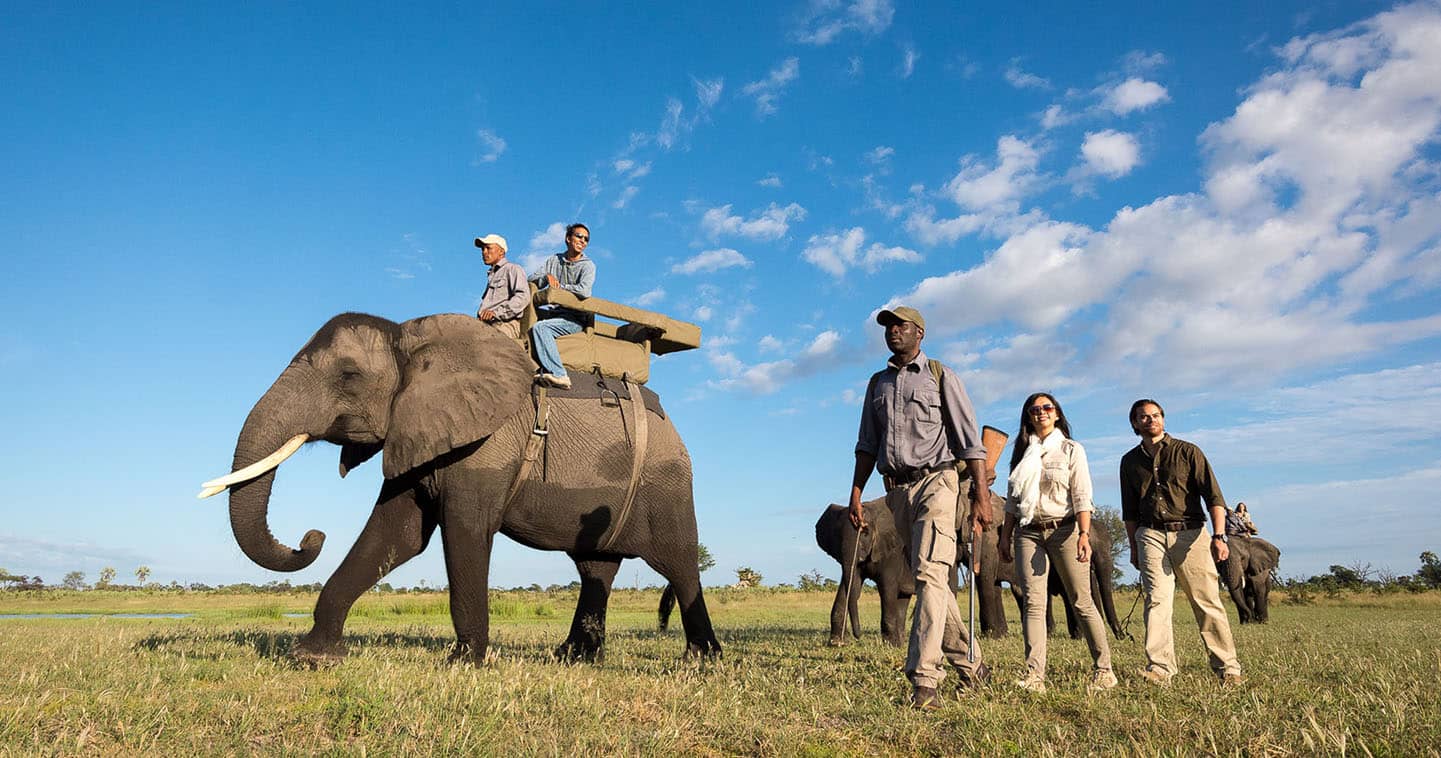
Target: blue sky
<point>1231,209</point>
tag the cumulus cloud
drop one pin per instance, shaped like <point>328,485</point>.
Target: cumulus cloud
<point>492,146</point>
<point>826,20</point>
<point>770,180</point>
<point>824,352</point>
<point>1110,152</point>
<point>837,253</point>
<point>772,223</point>
<point>711,260</point>
<point>1135,94</point>
<point>880,154</point>
<point>1318,201</point>
<point>649,298</point>
<point>768,90</point>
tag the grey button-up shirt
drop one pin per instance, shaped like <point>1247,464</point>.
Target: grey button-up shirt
<point>506,292</point>
<point>906,426</point>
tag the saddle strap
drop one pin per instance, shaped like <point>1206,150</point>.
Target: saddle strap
<point>535,444</point>
<point>637,462</point>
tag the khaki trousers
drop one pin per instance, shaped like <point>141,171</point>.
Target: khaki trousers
<point>1036,550</point>
<point>1170,557</point>
<point>509,328</point>
<point>925,514</point>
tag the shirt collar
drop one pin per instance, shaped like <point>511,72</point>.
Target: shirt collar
<point>914,365</point>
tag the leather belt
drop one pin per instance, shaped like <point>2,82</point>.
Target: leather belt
<point>1174,526</point>
<point>914,475</point>
<point>1050,523</point>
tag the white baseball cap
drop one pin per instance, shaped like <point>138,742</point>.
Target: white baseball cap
<point>492,239</point>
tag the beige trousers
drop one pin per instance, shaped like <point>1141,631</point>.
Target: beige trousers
<point>1036,550</point>
<point>926,514</point>
<point>509,328</point>
<point>1185,557</point>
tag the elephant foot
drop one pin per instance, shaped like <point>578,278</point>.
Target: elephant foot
<point>312,654</point>
<point>465,654</point>
<point>573,651</point>
<point>835,641</point>
<point>706,650</point>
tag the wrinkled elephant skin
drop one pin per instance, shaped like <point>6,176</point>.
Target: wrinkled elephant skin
<point>448,401</point>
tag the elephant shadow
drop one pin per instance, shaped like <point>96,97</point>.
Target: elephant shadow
<point>273,645</point>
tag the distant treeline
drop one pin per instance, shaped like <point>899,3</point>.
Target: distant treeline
<point>1362,577</point>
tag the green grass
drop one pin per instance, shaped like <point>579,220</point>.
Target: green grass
<point>1355,675</point>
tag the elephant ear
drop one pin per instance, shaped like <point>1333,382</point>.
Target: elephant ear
<point>461,380</point>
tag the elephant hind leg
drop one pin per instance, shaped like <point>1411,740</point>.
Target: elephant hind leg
<point>667,604</point>
<point>399,529</point>
<point>586,641</point>
<point>684,576</point>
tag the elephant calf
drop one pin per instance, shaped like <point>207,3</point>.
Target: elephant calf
<point>1247,574</point>
<point>878,554</point>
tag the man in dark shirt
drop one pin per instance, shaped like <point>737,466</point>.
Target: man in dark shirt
<point>1163,481</point>
<point>914,432</point>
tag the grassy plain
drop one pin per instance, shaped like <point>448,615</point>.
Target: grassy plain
<point>1356,675</point>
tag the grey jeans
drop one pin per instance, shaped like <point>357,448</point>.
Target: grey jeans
<point>1036,550</point>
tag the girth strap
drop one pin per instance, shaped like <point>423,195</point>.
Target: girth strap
<point>638,445</point>
<point>535,444</point>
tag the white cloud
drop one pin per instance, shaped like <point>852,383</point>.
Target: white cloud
<point>492,146</point>
<point>880,154</point>
<point>708,92</point>
<point>980,187</point>
<point>1110,152</point>
<point>825,20</point>
<point>909,56</point>
<point>1319,204</point>
<point>1021,79</point>
<point>1135,94</point>
<point>647,299</point>
<point>770,180</point>
<point>626,195</point>
<point>854,66</point>
<point>711,260</point>
<point>703,313</point>
<point>1055,116</point>
<point>836,253</point>
<point>768,90</point>
<point>825,352</point>
<point>670,124</point>
<point>769,344</point>
<point>769,224</point>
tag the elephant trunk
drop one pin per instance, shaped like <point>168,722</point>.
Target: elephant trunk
<point>266,430</point>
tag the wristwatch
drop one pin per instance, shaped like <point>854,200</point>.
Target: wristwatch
<point>1220,537</point>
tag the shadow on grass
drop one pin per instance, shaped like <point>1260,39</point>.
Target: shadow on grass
<point>275,645</point>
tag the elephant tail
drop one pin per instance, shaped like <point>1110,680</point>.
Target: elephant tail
<point>1107,585</point>
<point>667,603</point>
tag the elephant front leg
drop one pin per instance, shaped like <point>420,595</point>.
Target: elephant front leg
<point>587,629</point>
<point>398,529</point>
<point>467,565</point>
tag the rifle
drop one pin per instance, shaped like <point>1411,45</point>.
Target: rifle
<point>995,442</point>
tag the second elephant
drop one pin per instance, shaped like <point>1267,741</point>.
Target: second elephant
<point>878,555</point>
<point>1247,574</point>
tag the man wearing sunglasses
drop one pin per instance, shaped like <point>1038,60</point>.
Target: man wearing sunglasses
<point>570,271</point>
<point>1163,481</point>
<point>913,430</point>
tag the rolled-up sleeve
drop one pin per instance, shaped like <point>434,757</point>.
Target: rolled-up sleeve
<point>867,440</point>
<point>1080,485</point>
<point>962,431</point>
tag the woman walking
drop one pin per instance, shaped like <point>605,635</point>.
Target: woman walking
<point>1048,516</point>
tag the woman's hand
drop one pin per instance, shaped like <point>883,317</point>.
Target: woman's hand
<point>1083,547</point>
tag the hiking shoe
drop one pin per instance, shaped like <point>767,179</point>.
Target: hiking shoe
<point>1158,678</point>
<point>1101,681</point>
<point>1032,682</point>
<point>555,380</point>
<point>1232,680</point>
<point>925,699</point>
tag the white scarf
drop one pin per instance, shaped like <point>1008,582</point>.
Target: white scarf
<point>1025,480</point>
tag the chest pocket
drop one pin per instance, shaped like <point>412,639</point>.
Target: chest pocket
<point>925,405</point>
<point>1055,476</point>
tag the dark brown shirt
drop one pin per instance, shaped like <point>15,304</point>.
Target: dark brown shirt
<point>1169,486</point>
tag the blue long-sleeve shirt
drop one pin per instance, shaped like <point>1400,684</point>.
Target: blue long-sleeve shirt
<point>577,276</point>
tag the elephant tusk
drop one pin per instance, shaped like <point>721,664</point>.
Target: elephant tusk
<point>208,491</point>
<point>257,468</point>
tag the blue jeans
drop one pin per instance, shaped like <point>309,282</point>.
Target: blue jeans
<point>543,335</point>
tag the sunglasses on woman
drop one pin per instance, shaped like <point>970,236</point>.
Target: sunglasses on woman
<point>1037,410</point>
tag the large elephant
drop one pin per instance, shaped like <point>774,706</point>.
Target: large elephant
<point>881,559</point>
<point>452,404</point>
<point>1247,574</point>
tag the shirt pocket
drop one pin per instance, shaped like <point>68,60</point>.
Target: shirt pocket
<point>925,406</point>
<point>1055,476</point>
